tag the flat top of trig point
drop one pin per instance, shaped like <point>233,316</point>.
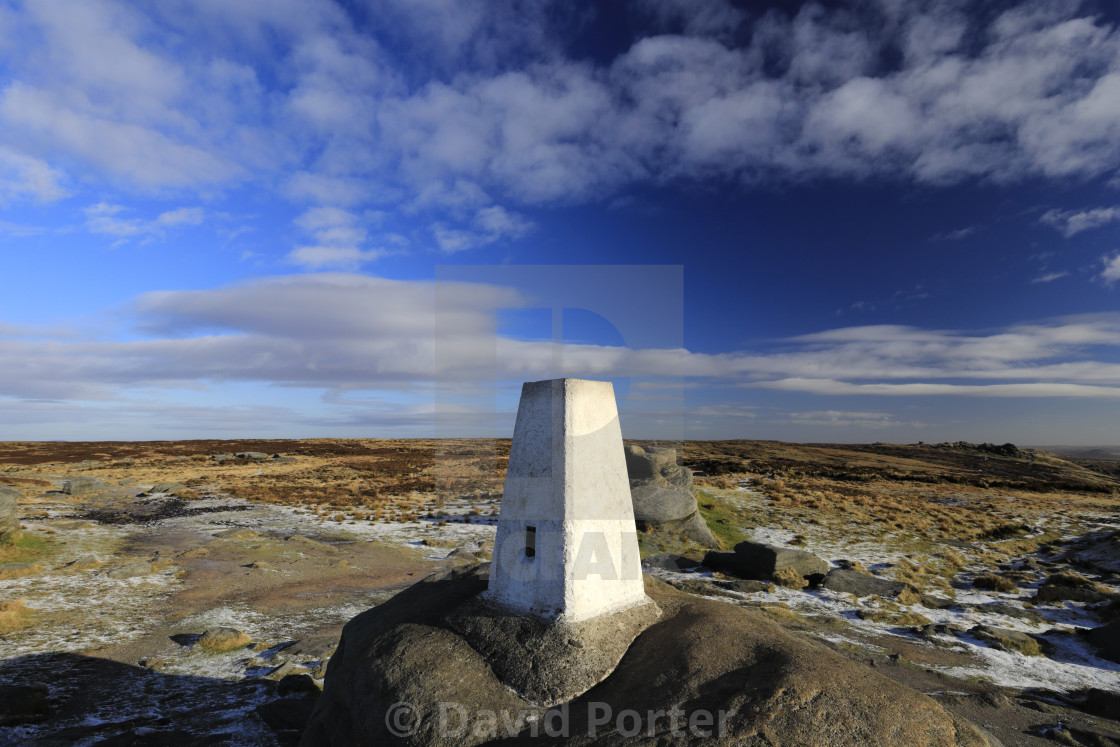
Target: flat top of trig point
<point>568,380</point>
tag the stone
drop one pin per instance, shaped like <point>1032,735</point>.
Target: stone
<point>287,714</point>
<point>670,562</point>
<point>1102,555</point>
<point>287,669</point>
<point>297,683</point>
<point>84,562</point>
<point>703,655</point>
<point>223,639</point>
<point>1068,586</point>
<point>567,658</point>
<point>9,512</point>
<point>662,493</point>
<point>847,581</point>
<point>252,455</point>
<point>22,703</point>
<point>1101,703</point>
<point>566,545</point>
<point>221,458</point>
<point>678,477</point>
<point>653,504</point>
<point>764,562</point>
<point>83,486</point>
<point>1106,640</point>
<point>747,586</point>
<point>168,488</point>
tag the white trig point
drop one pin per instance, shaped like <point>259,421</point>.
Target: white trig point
<point>566,545</point>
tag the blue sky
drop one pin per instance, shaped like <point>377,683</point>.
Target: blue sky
<point>893,220</point>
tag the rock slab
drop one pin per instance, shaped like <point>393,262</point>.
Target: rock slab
<point>662,493</point>
<point>701,655</point>
<point>849,581</point>
<point>762,562</point>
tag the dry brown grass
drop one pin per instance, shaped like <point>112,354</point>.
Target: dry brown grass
<point>891,617</point>
<point>992,582</point>
<point>790,579</point>
<point>14,616</point>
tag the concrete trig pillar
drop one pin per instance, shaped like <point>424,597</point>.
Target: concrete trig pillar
<point>566,545</point>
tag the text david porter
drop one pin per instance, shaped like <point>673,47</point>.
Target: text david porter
<point>454,720</point>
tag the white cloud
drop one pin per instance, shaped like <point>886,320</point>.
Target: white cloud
<point>1111,272</point>
<point>335,257</point>
<point>345,332</point>
<point>143,154</point>
<point>105,218</point>
<point>22,177</point>
<point>1050,277</point>
<point>1071,222</point>
<point>440,101</point>
<point>339,236</point>
<point>490,224</point>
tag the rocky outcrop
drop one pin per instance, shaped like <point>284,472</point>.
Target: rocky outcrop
<point>83,486</point>
<point>663,495</point>
<point>9,512</point>
<point>848,581</point>
<point>667,561</point>
<point>169,488</point>
<point>765,562</point>
<point>223,639</point>
<point>401,665</point>
<point>1102,554</point>
<point>566,659</point>
<point>1106,640</point>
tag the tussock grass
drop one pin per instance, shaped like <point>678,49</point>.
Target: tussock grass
<point>992,582</point>
<point>890,617</point>
<point>790,579</point>
<point>14,616</point>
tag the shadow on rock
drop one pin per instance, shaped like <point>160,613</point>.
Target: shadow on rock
<point>65,699</point>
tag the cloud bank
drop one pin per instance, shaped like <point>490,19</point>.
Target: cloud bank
<point>342,333</point>
<point>478,111</point>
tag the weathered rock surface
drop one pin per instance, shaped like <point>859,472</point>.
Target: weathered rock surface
<point>746,586</point>
<point>1102,555</point>
<point>861,584</point>
<point>223,639</point>
<point>252,455</point>
<point>22,703</point>
<point>169,488</point>
<point>653,503</point>
<point>774,688</point>
<point>1106,639</point>
<point>663,496</point>
<point>763,562</point>
<point>9,511</point>
<point>549,663</point>
<point>83,486</point>
<point>667,561</point>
